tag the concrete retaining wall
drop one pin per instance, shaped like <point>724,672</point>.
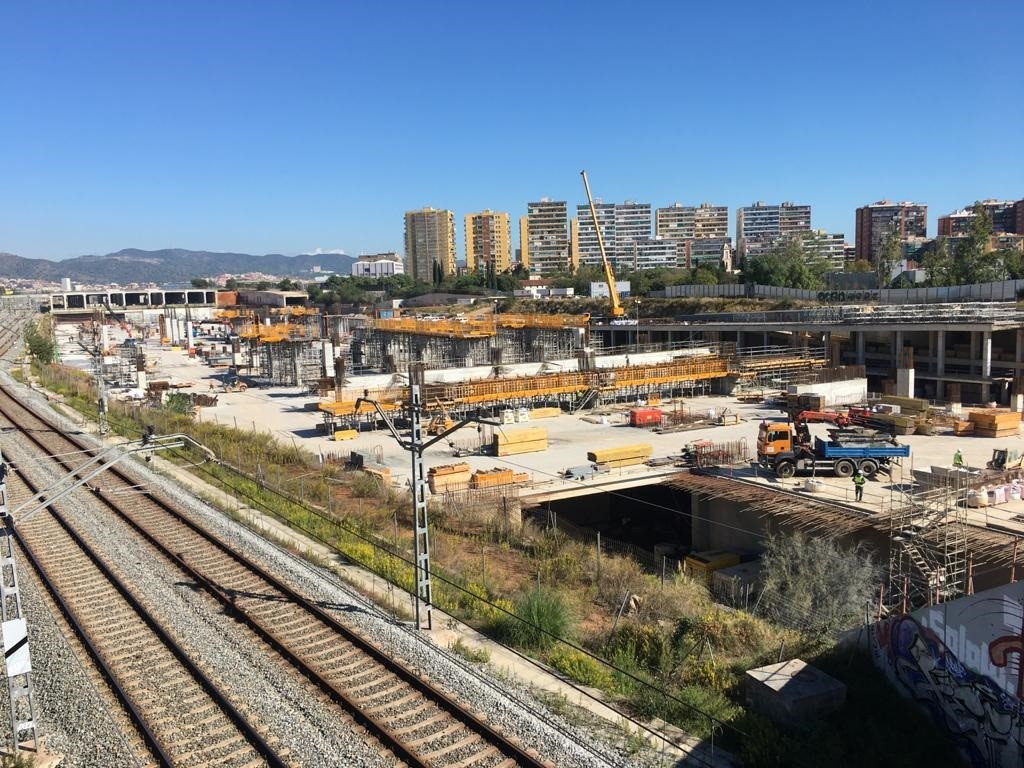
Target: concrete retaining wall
<point>959,661</point>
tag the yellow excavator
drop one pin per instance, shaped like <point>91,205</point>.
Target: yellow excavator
<point>609,274</point>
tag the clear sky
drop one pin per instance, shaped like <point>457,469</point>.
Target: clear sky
<point>290,126</point>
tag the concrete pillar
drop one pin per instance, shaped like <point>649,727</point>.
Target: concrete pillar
<point>766,340</point>
<point>188,334</point>
<point>986,352</point>
<point>940,353</point>
<point>860,347</point>
<point>974,350</point>
<point>897,348</point>
<point>104,337</point>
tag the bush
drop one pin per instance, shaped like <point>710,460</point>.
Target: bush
<point>365,486</point>
<point>475,655</point>
<point>649,647</point>
<point>619,575</point>
<point>581,667</point>
<point>539,614</point>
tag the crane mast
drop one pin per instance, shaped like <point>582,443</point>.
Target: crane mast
<point>609,275</point>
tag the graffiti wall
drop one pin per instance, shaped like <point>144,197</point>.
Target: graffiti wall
<point>962,662</point>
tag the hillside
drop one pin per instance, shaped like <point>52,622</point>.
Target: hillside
<point>169,265</point>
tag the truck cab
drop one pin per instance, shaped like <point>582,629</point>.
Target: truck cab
<point>774,439</point>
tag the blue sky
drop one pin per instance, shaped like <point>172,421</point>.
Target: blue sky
<point>286,127</point>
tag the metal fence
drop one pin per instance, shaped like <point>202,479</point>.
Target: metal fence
<point>1003,290</point>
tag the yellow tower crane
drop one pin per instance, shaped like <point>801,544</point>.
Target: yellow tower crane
<point>609,275</point>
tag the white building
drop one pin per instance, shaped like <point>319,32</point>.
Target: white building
<point>378,265</point>
<point>599,290</point>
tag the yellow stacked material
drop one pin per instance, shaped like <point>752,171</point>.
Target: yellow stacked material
<point>382,473</point>
<point>346,434</point>
<point>448,477</point>
<point>347,407</point>
<point>489,478</point>
<point>908,405</point>
<point>511,442</point>
<point>544,413</point>
<point>993,423</point>
<point>963,427</point>
<point>654,400</point>
<point>450,469</point>
<point>623,456</point>
<point>521,478</point>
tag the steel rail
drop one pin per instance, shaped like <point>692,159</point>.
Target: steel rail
<point>410,677</point>
<point>205,682</point>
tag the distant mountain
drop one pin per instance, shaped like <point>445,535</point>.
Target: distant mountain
<point>169,265</point>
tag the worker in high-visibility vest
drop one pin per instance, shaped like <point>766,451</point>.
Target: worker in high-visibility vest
<point>858,485</point>
<point>958,458</point>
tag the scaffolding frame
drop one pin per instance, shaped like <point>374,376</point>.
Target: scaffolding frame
<point>928,550</point>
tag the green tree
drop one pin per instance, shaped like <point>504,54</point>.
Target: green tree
<point>704,276</point>
<point>888,258</point>
<point>199,282</point>
<point>862,266</point>
<point>262,285</point>
<point>287,284</point>
<point>815,584</point>
<point>788,264</point>
<point>1013,262</point>
<point>231,284</point>
<point>177,402</point>
<point>39,340</point>
<point>975,261</point>
<point>938,263</point>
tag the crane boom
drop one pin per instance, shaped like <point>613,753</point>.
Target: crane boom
<point>609,275</point>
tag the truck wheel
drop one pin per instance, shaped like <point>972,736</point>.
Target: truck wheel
<point>844,468</point>
<point>785,469</point>
<point>868,467</point>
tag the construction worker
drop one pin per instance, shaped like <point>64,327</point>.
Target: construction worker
<point>858,485</point>
<point>958,459</point>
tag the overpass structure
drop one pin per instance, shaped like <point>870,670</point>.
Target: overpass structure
<point>78,303</point>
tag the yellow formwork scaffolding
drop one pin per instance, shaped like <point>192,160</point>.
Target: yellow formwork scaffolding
<point>481,391</point>
<point>477,327</point>
<point>277,332</point>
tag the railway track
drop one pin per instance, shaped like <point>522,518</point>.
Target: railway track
<point>416,720</point>
<point>180,713</point>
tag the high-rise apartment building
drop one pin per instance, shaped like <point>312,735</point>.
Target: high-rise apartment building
<point>651,253</point>
<point>429,241</point>
<point>622,226</point>
<point>686,222</point>
<point>487,241</point>
<point>547,237</point>
<point>710,252</point>
<point>524,242</point>
<point>760,227</point>
<point>877,222</point>
<point>1003,214</point>
<point>828,246</point>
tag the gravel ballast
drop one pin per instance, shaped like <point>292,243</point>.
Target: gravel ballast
<point>309,726</point>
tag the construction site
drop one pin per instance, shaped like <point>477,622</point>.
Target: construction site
<point>683,446</point>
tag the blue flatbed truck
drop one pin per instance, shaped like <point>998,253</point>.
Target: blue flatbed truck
<point>779,450</point>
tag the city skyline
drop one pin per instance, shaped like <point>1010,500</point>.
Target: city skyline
<point>261,129</point>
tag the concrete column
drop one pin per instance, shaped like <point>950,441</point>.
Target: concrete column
<point>188,334</point>
<point>986,351</point>
<point>897,348</point>
<point>940,353</point>
<point>1019,358</point>
<point>765,339</point>
<point>974,350</point>
<point>860,347</point>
